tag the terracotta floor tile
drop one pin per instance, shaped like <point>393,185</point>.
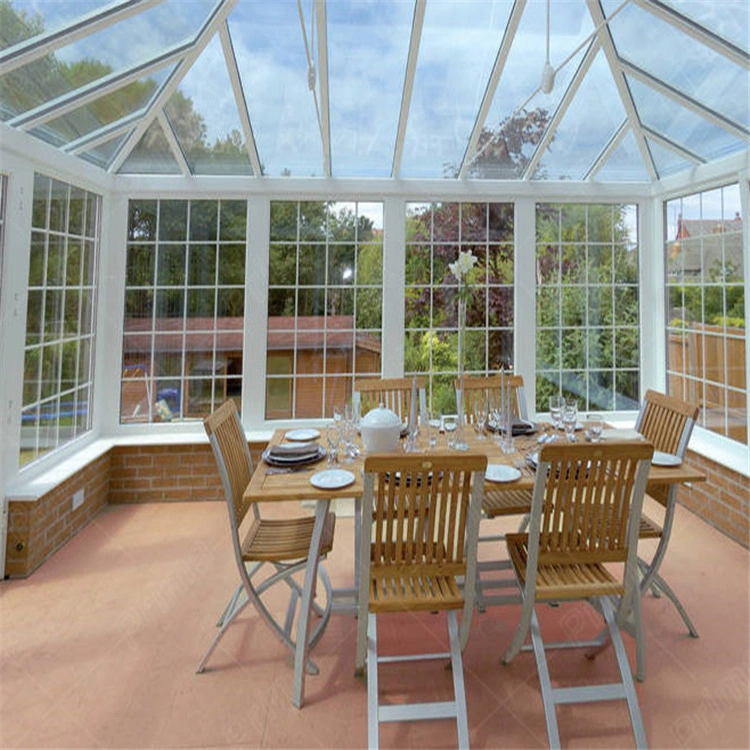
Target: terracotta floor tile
<point>99,649</point>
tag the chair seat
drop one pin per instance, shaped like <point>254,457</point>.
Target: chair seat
<point>506,502</point>
<point>393,591</point>
<point>648,529</point>
<point>563,581</point>
<point>277,540</point>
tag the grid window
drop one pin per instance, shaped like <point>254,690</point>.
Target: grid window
<point>587,344</point>
<point>706,308</point>
<point>435,234</point>
<point>325,297</point>
<point>184,308</point>
<point>60,317</point>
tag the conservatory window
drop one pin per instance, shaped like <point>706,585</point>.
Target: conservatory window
<point>587,322</point>
<point>60,318</point>
<point>325,290</point>
<point>435,234</point>
<point>184,308</point>
<point>706,336</point>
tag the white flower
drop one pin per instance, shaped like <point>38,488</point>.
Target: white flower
<point>464,263</point>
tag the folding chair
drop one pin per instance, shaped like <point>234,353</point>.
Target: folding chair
<point>393,393</point>
<point>498,501</point>
<point>426,517</point>
<point>584,518</point>
<point>666,422</point>
<point>283,544</point>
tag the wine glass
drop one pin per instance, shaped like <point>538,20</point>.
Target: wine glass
<point>570,419</point>
<point>480,416</point>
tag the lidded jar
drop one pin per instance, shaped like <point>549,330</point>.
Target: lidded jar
<point>381,430</point>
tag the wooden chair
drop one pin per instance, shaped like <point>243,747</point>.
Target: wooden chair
<point>413,562</point>
<point>478,385</point>
<point>393,393</point>
<point>498,501</point>
<point>584,497</point>
<point>282,544</point>
<point>667,422</point>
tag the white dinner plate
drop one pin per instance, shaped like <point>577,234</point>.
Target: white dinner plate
<point>620,433</point>
<point>332,479</point>
<point>501,473</point>
<point>302,436</point>
<point>665,459</point>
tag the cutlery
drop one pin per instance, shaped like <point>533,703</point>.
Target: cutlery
<point>286,470</point>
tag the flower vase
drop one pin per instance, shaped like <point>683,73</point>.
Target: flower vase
<point>461,444</point>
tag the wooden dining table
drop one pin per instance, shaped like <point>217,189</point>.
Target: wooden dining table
<point>270,485</point>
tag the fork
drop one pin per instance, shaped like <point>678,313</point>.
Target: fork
<point>285,470</point>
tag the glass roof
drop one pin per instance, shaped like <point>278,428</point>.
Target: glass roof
<point>381,88</point>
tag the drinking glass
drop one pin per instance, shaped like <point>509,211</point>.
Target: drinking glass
<point>556,404</point>
<point>570,419</point>
<point>480,416</point>
<point>449,425</point>
<point>333,438</point>
<point>595,427</point>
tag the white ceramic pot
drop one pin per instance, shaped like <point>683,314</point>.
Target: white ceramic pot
<point>381,430</point>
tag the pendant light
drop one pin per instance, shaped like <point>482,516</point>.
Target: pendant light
<point>548,72</point>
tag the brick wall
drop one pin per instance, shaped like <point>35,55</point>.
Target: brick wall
<point>37,529</point>
<point>171,473</point>
<point>722,501</point>
<point>166,473</point>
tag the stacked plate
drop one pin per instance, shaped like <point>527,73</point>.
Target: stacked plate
<point>296,454</point>
<point>519,427</point>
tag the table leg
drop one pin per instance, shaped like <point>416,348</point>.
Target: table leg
<point>308,593</point>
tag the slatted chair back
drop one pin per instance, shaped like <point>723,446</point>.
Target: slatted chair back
<point>425,513</point>
<point>478,386</point>
<point>393,393</point>
<point>667,422</point>
<point>585,494</point>
<point>233,458</point>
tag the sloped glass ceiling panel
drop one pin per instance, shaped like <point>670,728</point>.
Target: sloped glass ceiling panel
<point>588,125</point>
<point>368,45</point>
<point>729,19</point>
<point>203,115</point>
<point>457,52</point>
<point>667,162</point>
<point>129,41</point>
<point>268,44</point>
<point>102,111</point>
<point>103,154</point>
<point>514,133</point>
<point>22,19</point>
<point>683,62</point>
<point>152,155</point>
<point>624,164</point>
<point>682,126</point>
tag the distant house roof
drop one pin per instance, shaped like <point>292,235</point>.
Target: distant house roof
<point>702,227</point>
<point>284,333</point>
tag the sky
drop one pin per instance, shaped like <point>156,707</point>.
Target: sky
<point>368,45</point>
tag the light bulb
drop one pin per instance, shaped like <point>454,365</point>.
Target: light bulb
<point>548,78</point>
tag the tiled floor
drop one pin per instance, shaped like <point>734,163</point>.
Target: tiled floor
<point>99,649</point>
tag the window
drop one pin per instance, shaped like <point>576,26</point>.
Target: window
<point>59,348</point>
<point>435,234</point>
<point>184,308</point>
<point>324,304</point>
<point>706,307</point>
<point>587,321</point>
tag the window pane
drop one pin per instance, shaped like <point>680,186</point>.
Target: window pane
<point>706,336</point>
<point>436,234</point>
<point>324,304</point>
<point>586,313</point>
<point>187,359</point>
